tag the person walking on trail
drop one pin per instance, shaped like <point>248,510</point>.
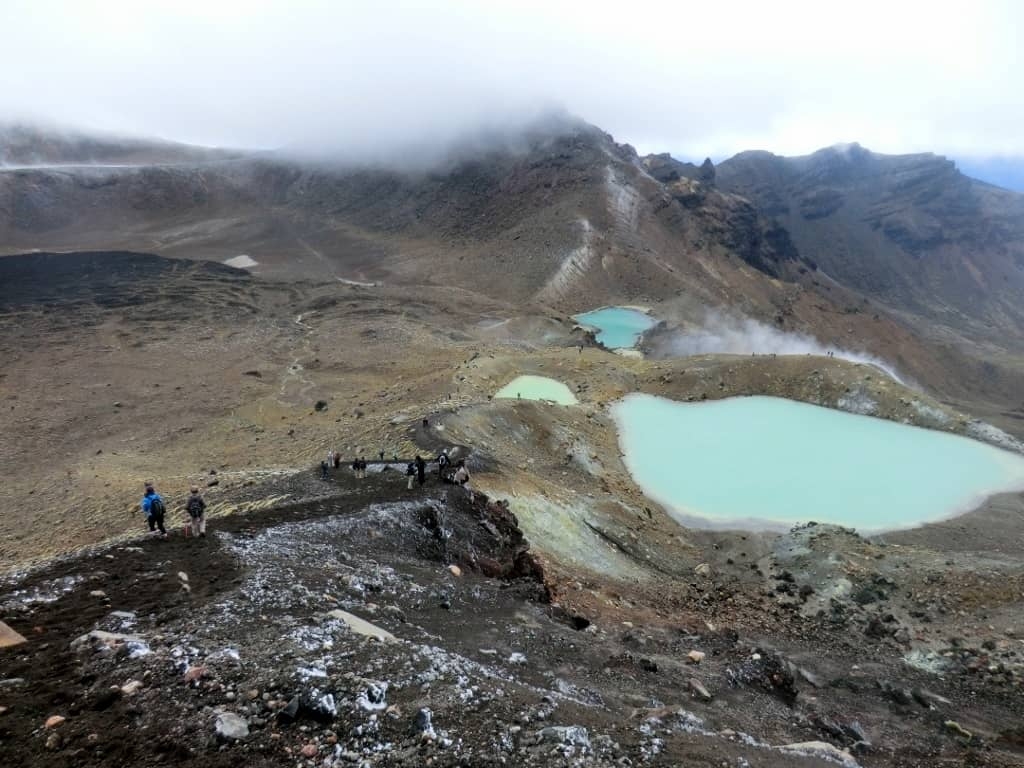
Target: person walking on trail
<point>323,470</point>
<point>381,454</point>
<point>355,467</point>
<point>330,457</point>
<point>196,508</point>
<point>461,477</point>
<point>442,464</point>
<point>337,459</point>
<point>410,473</point>
<point>154,509</point>
<point>421,469</point>
<point>362,467</point>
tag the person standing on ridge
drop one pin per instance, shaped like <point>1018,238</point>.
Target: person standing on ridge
<point>442,464</point>
<point>421,469</point>
<point>323,470</point>
<point>355,467</point>
<point>154,509</point>
<point>197,512</point>
<point>410,473</point>
<point>337,459</point>
<point>381,454</point>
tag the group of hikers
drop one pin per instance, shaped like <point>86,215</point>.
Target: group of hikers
<point>415,471</point>
<point>155,510</point>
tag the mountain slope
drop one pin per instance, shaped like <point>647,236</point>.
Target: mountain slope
<point>908,230</point>
<point>564,219</point>
<point>566,215</point>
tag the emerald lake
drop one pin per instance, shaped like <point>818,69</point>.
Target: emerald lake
<point>766,462</point>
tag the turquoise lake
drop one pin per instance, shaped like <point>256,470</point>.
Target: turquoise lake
<point>530,387</point>
<point>617,327</point>
<point>767,462</point>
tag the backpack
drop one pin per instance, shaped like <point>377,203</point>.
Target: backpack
<point>195,506</point>
<point>156,507</point>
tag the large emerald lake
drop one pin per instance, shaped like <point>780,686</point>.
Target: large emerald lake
<point>767,461</point>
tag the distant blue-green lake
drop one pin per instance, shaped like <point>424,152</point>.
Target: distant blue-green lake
<point>617,327</point>
<point>767,461</point>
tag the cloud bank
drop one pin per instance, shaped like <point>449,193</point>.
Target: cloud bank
<point>693,78</point>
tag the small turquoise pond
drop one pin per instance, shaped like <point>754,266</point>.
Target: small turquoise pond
<point>537,388</point>
<point>617,327</point>
<point>766,461</point>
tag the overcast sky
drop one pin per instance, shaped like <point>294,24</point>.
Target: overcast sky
<point>696,78</point>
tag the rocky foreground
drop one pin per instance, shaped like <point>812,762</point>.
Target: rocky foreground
<point>378,626</point>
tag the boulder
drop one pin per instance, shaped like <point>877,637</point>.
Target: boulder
<point>572,735</point>
<point>698,689</point>
<point>696,657</point>
<point>821,749</point>
<point>231,727</point>
<point>954,727</point>
<point>98,639</point>
<point>53,721</point>
<point>361,626</point>
<point>8,637</point>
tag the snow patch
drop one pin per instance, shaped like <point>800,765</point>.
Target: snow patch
<point>242,261</point>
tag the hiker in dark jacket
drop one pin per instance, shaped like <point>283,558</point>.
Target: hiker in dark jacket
<point>421,469</point>
<point>323,470</point>
<point>154,509</point>
<point>197,512</point>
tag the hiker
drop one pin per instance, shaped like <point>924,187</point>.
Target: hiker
<point>461,477</point>
<point>355,467</point>
<point>381,454</point>
<point>330,457</point>
<point>421,469</point>
<point>362,468</point>
<point>323,470</point>
<point>197,512</point>
<point>337,459</point>
<point>154,509</point>
<point>442,464</point>
<point>410,473</point>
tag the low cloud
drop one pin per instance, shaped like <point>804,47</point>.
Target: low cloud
<point>693,78</point>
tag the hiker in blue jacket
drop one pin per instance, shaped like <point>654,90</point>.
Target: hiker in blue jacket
<point>154,509</point>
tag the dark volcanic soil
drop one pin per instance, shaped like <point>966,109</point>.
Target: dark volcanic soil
<point>239,624</point>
